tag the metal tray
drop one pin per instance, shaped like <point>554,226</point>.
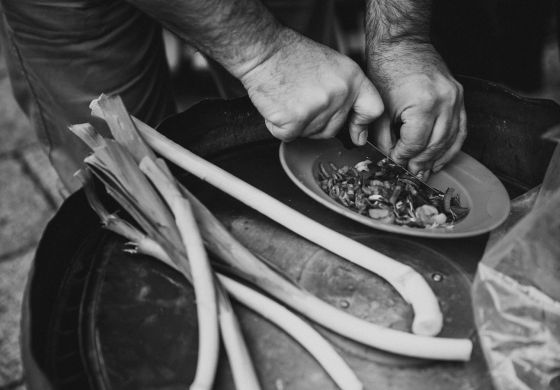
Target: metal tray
<point>98,318</point>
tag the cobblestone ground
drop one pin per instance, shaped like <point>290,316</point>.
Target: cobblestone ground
<point>28,198</point>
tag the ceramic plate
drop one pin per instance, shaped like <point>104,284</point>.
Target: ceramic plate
<point>479,188</point>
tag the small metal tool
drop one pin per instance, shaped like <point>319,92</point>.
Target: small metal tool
<point>378,155</point>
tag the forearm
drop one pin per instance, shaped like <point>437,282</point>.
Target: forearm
<point>300,87</point>
<point>399,30</point>
<point>390,22</point>
<point>238,34</point>
<point>421,97</point>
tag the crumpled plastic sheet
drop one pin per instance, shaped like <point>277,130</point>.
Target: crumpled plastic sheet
<point>516,292</point>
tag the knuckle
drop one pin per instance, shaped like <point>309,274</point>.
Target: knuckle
<point>299,113</point>
<point>351,67</point>
<point>426,97</point>
<point>425,157</point>
<point>359,118</point>
<point>315,128</point>
<point>286,134</point>
<point>449,94</point>
<point>462,131</point>
<point>282,129</point>
<point>341,89</point>
<point>462,135</point>
<point>409,149</point>
<point>434,149</point>
<point>336,93</point>
<point>373,110</point>
<point>414,116</point>
<point>460,89</point>
<point>317,102</point>
<point>430,93</point>
<point>277,118</point>
<point>324,98</point>
<point>296,115</point>
<point>418,166</point>
<point>424,80</point>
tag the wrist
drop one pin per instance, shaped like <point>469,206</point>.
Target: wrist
<point>394,38</point>
<point>251,53</point>
<point>386,51</point>
<point>390,66</point>
<point>275,50</point>
<point>395,27</point>
<point>409,54</point>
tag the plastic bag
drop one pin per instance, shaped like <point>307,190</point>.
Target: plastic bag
<point>516,292</point>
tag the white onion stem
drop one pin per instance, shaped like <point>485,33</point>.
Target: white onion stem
<point>428,319</point>
<point>220,241</point>
<point>299,330</point>
<point>242,367</point>
<point>202,275</point>
<point>224,245</point>
<point>244,374</point>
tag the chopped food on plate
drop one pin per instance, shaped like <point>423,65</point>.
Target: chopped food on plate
<point>384,193</point>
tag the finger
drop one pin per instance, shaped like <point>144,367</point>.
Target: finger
<point>424,175</point>
<point>367,107</point>
<point>443,135</point>
<point>332,127</point>
<point>279,132</point>
<point>329,122</point>
<point>298,119</point>
<point>415,133</point>
<point>306,126</point>
<point>456,147</point>
<point>325,122</point>
<point>381,134</point>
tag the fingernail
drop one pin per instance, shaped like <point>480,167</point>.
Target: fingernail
<point>362,137</point>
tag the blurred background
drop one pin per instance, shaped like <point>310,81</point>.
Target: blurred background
<point>511,42</point>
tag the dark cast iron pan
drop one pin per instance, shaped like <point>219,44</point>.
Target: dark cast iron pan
<point>96,317</point>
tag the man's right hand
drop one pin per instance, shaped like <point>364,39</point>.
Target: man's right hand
<point>301,88</point>
<point>305,89</point>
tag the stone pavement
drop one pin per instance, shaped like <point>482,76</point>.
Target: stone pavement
<point>28,198</point>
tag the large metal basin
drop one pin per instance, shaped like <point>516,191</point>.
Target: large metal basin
<point>98,318</point>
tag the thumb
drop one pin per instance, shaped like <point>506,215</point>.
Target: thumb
<point>382,135</point>
<point>367,107</point>
<point>414,136</point>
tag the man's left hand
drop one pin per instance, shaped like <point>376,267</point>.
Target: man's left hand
<point>423,101</point>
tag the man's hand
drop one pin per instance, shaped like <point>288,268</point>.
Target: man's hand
<point>424,102</point>
<point>305,89</point>
<point>300,87</point>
